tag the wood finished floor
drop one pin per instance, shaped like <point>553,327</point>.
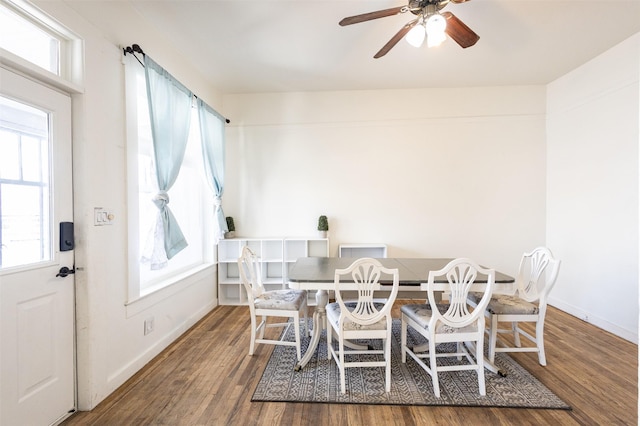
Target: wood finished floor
<point>207,378</point>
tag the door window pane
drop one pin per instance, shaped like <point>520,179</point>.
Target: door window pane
<point>25,224</point>
<point>33,165</point>
<point>9,168</point>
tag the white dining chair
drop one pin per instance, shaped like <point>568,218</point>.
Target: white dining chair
<point>536,277</point>
<point>287,303</point>
<point>449,323</point>
<point>363,318</point>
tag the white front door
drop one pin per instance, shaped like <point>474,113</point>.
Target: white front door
<point>37,375</point>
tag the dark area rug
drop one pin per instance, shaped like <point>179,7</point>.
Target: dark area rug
<point>319,381</point>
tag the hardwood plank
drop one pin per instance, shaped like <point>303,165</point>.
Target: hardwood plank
<point>207,378</point>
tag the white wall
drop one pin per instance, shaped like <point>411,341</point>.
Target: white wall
<point>439,172</point>
<point>592,188</point>
<point>111,342</point>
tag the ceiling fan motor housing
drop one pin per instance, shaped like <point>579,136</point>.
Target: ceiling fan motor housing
<point>426,7</point>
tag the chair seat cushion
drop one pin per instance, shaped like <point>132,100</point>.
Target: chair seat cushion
<point>504,305</point>
<point>333,315</point>
<point>507,305</point>
<point>289,300</point>
<point>422,314</point>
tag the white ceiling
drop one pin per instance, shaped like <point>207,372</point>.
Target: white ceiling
<point>247,46</point>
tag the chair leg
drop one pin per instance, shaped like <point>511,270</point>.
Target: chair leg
<point>252,343</point>
<point>516,334</point>
<point>329,339</point>
<point>296,326</point>
<point>540,341</point>
<point>387,359</point>
<point>264,326</point>
<point>403,340</point>
<point>433,366</point>
<point>343,387</point>
<point>493,336</point>
<point>480,366</point>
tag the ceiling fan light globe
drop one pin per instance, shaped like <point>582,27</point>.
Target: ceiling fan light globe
<point>435,27</point>
<point>435,40</point>
<point>415,37</point>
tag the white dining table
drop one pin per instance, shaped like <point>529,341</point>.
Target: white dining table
<point>318,273</point>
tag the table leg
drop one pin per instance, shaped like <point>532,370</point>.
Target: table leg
<point>319,321</point>
<point>487,364</point>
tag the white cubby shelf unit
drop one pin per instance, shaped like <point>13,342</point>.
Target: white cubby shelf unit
<point>362,250</point>
<point>276,257</point>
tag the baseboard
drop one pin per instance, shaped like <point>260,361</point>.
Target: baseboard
<point>630,335</point>
<point>115,380</point>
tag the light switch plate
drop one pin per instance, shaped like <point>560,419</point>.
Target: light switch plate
<point>102,216</point>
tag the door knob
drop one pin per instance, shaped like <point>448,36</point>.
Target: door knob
<point>64,271</point>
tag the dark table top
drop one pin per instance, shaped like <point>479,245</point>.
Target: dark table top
<point>412,271</point>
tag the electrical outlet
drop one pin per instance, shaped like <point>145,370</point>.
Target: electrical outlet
<point>148,325</point>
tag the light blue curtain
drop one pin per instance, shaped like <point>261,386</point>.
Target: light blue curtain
<point>212,135</point>
<point>170,113</point>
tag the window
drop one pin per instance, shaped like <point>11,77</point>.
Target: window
<point>25,225</point>
<point>29,41</point>
<point>32,36</point>
<point>191,201</point>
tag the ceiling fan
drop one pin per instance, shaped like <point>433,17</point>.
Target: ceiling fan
<point>429,21</point>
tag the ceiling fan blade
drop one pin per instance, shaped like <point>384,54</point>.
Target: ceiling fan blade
<point>459,32</point>
<point>459,1</point>
<point>372,15</point>
<point>395,39</point>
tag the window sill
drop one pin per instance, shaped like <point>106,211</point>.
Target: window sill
<point>162,291</point>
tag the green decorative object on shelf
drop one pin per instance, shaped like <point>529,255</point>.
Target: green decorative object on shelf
<point>323,223</point>
<point>323,226</point>
<point>231,227</point>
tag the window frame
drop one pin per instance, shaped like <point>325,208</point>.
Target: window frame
<point>182,277</point>
<point>70,77</point>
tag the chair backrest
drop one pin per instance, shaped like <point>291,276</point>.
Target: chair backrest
<point>537,275</point>
<point>365,275</point>
<point>250,273</point>
<point>460,275</point>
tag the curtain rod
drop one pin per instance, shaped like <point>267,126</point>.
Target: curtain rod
<point>135,48</point>
<point>132,50</point>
